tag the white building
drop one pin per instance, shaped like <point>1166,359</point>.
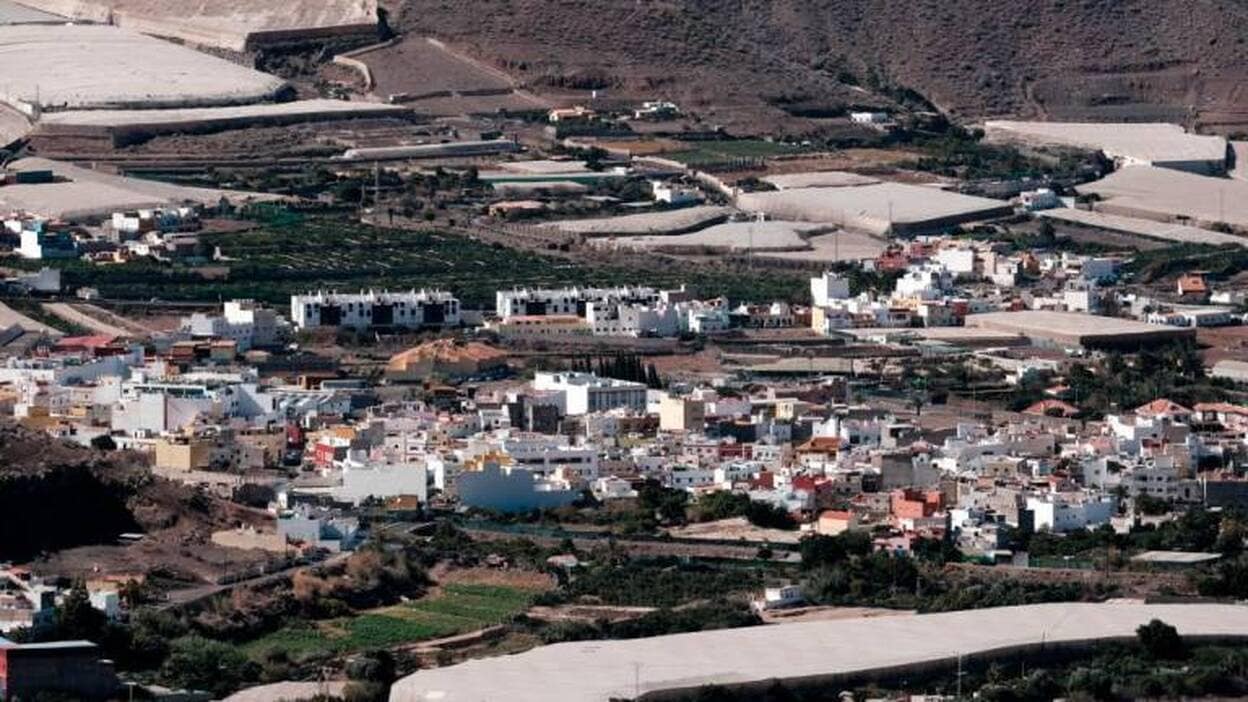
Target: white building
<point>545,455</point>
<point>924,282</point>
<point>531,302</point>
<point>870,118</point>
<point>1081,296</point>
<point>958,261</point>
<point>1062,512</point>
<point>510,490</point>
<point>1040,199</point>
<point>583,393</point>
<point>674,193</point>
<point>656,109</point>
<point>69,370</point>
<point>243,321</point>
<point>660,320</point>
<point>135,222</point>
<point>1195,316</point>
<point>414,309</point>
<point>827,288</point>
<point>380,481</point>
<point>40,244</point>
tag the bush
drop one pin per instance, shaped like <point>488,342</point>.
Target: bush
<point>202,664</point>
<point>1161,641</point>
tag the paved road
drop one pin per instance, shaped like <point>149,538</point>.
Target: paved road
<point>190,595</point>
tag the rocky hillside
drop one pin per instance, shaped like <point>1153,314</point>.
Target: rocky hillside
<point>780,60</point>
<point>55,496</point>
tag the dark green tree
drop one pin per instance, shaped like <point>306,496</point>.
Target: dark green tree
<point>1161,641</point>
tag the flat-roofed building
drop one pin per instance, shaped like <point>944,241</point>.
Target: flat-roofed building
<point>881,208</point>
<point>536,302</point>
<point>583,393</point>
<point>1147,144</point>
<point>1172,196</point>
<point>1075,330</point>
<point>73,669</point>
<point>414,309</point>
<point>840,654</point>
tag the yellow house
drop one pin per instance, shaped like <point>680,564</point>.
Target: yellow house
<point>183,454</point>
<point>681,414</point>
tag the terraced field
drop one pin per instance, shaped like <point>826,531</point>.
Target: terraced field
<point>456,609</point>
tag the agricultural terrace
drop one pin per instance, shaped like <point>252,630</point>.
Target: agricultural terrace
<point>292,254</point>
<point>456,609</point>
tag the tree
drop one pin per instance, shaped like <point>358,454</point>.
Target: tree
<point>653,381</point>
<point>822,550</point>
<point>723,504</point>
<point>669,504</point>
<point>1151,506</point>
<point>1048,235</point>
<point>768,516</point>
<point>1161,641</point>
<point>936,551</point>
<point>77,619</point>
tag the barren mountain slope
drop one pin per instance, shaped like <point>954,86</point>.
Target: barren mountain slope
<point>56,496</point>
<point>1107,59</point>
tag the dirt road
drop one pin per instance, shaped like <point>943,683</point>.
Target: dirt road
<point>10,316</point>
<point>97,320</point>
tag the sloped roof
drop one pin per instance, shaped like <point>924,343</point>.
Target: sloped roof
<point>1160,407</point>
<point>445,351</point>
<point>1043,407</point>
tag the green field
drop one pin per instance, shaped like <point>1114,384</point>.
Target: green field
<point>457,609</point>
<point>292,255</point>
<point>721,151</point>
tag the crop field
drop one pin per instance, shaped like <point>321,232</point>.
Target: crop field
<point>291,254</point>
<point>457,609</point>
<point>726,151</point>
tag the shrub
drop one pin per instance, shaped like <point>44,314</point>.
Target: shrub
<point>1161,641</point>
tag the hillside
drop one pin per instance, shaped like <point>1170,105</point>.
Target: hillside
<point>756,61</point>
<point>62,499</point>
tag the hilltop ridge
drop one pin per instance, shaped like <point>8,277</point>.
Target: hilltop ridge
<point>790,60</point>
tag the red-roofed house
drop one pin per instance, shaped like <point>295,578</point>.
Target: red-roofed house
<point>1192,286</point>
<point>1232,417</point>
<point>825,445</point>
<point>1164,408</point>
<point>833,522</point>
<point>94,344</point>
<point>1052,408</point>
<point>915,504</point>
<point>766,480</point>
